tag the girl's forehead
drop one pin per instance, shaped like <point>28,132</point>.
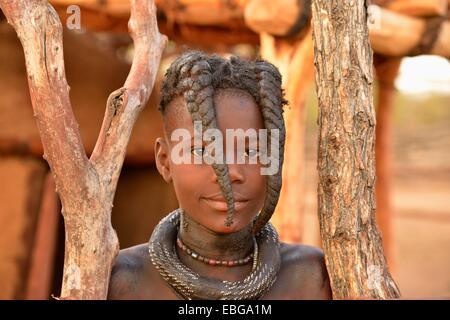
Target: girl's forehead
<point>233,108</point>
<point>237,111</point>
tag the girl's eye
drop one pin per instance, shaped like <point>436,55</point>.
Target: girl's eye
<point>251,153</point>
<point>198,152</point>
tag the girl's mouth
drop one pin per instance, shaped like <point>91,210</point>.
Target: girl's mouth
<point>221,205</point>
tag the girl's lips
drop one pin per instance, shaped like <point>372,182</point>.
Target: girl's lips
<point>221,205</point>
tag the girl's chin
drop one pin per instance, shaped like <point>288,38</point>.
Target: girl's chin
<point>220,227</point>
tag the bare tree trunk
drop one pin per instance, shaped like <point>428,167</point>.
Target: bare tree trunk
<point>85,186</point>
<point>346,156</point>
<point>295,61</point>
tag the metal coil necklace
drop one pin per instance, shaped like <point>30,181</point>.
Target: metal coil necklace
<point>188,284</point>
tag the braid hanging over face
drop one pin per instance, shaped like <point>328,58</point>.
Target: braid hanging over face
<point>196,76</point>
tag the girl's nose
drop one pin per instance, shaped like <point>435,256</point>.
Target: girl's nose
<point>236,173</point>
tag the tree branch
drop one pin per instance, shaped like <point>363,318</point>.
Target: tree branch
<point>86,187</point>
<point>40,32</point>
<point>125,104</point>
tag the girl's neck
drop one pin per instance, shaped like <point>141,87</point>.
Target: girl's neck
<point>213,245</point>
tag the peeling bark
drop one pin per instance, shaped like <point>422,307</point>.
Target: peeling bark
<point>85,186</point>
<point>346,155</point>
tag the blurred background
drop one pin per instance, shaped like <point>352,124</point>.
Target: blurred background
<point>411,94</point>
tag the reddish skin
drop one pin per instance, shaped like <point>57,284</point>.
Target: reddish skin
<point>302,275</point>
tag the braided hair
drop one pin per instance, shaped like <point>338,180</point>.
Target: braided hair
<point>195,76</point>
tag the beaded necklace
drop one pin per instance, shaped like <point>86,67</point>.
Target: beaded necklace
<point>225,263</point>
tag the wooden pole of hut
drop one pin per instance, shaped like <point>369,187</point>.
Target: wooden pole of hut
<point>40,273</point>
<point>421,8</point>
<point>405,27</point>
<point>293,55</point>
<point>398,35</point>
<point>386,71</point>
<point>295,61</point>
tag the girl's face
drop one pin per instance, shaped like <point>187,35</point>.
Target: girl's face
<point>196,186</point>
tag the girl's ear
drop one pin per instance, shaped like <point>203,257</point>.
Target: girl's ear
<point>162,159</point>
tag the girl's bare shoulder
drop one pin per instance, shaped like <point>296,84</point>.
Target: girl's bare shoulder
<point>135,277</point>
<point>303,274</point>
<point>127,272</point>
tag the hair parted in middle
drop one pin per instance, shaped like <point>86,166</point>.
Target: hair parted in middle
<point>196,76</point>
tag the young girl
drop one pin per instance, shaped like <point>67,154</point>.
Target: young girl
<point>219,243</point>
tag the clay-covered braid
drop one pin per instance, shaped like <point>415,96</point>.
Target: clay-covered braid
<point>196,76</point>
<point>271,94</point>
